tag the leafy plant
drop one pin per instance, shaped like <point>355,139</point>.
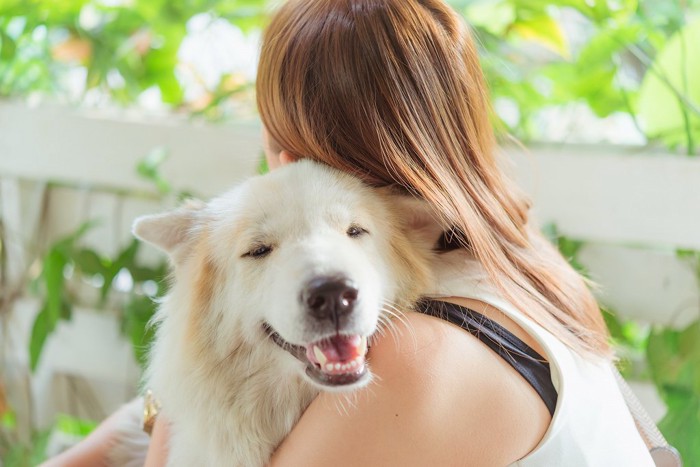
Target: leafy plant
<point>633,57</point>
<point>674,363</point>
<point>57,304</point>
<point>669,103</point>
<point>121,49</point>
<point>667,357</point>
<point>66,264</point>
<point>66,259</point>
<point>27,455</point>
<point>637,57</point>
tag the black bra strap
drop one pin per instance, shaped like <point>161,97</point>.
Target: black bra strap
<point>531,365</point>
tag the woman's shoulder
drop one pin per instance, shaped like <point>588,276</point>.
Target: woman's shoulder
<point>439,396</point>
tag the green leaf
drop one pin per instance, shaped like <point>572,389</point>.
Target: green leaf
<point>545,31</point>
<point>601,48</point>
<point>593,77</point>
<point>568,247</point>
<point>160,63</point>
<point>149,168</point>
<point>661,356</point>
<point>127,256</point>
<point>681,427</point>
<point>67,243</point>
<point>125,259</point>
<point>23,455</point>
<point>8,47</point>
<point>669,97</point>
<point>144,273</point>
<point>674,360</point>
<point>136,326</point>
<point>54,264</point>
<point>493,16</point>
<point>74,426</point>
<point>663,16</point>
<point>89,262</point>
<point>56,306</point>
<point>613,323</point>
<point>8,420</point>
<point>44,324</point>
<point>37,453</point>
<point>262,166</point>
<point>682,253</point>
<point>184,195</point>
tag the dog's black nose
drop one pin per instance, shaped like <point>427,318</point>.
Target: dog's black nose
<point>330,297</point>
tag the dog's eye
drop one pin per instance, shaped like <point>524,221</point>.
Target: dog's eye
<point>259,251</point>
<point>355,231</point>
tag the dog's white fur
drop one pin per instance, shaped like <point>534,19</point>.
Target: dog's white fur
<point>230,393</point>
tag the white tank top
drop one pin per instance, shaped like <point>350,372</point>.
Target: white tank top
<point>591,425</point>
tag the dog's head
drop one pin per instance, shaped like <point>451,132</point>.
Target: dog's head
<point>305,259</point>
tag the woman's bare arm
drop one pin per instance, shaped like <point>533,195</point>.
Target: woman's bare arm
<point>94,450</point>
<point>440,398</point>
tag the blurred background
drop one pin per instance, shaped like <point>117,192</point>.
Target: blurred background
<point>114,108</point>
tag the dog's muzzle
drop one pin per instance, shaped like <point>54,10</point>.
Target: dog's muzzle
<point>334,362</point>
<point>337,358</point>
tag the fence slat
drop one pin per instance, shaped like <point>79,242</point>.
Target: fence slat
<point>57,144</point>
<point>590,193</point>
<point>601,195</point>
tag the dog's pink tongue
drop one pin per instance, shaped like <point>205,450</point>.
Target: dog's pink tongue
<point>337,350</point>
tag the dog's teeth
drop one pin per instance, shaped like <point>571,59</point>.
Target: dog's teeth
<point>337,366</point>
<point>353,363</point>
<point>363,345</point>
<point>320,356</point>
<point>329,367</point>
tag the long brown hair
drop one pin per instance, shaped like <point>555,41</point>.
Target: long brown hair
<point>392,91</point>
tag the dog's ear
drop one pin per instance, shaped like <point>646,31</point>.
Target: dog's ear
<point>170,231</point>
<point>421,222</point>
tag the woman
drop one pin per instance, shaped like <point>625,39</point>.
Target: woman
<point>392,92</point>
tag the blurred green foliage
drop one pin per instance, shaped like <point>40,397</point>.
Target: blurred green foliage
<point>67,260</point>
<point>66,265</point>
<point>674,362</point>
<point>636,57</point>
<point>27,455</point>
<point>124,47</point>
<point>33,453</point>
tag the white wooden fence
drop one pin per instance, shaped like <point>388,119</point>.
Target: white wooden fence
<point>632,208</point>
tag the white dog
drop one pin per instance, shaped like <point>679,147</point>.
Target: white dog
<point>276,288</point>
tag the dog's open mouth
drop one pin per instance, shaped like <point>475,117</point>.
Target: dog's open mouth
<point>334,361</point>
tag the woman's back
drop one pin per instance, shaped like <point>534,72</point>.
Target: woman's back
<point>592,424</point>
<point>445,398</point>
<point>392,91</point>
